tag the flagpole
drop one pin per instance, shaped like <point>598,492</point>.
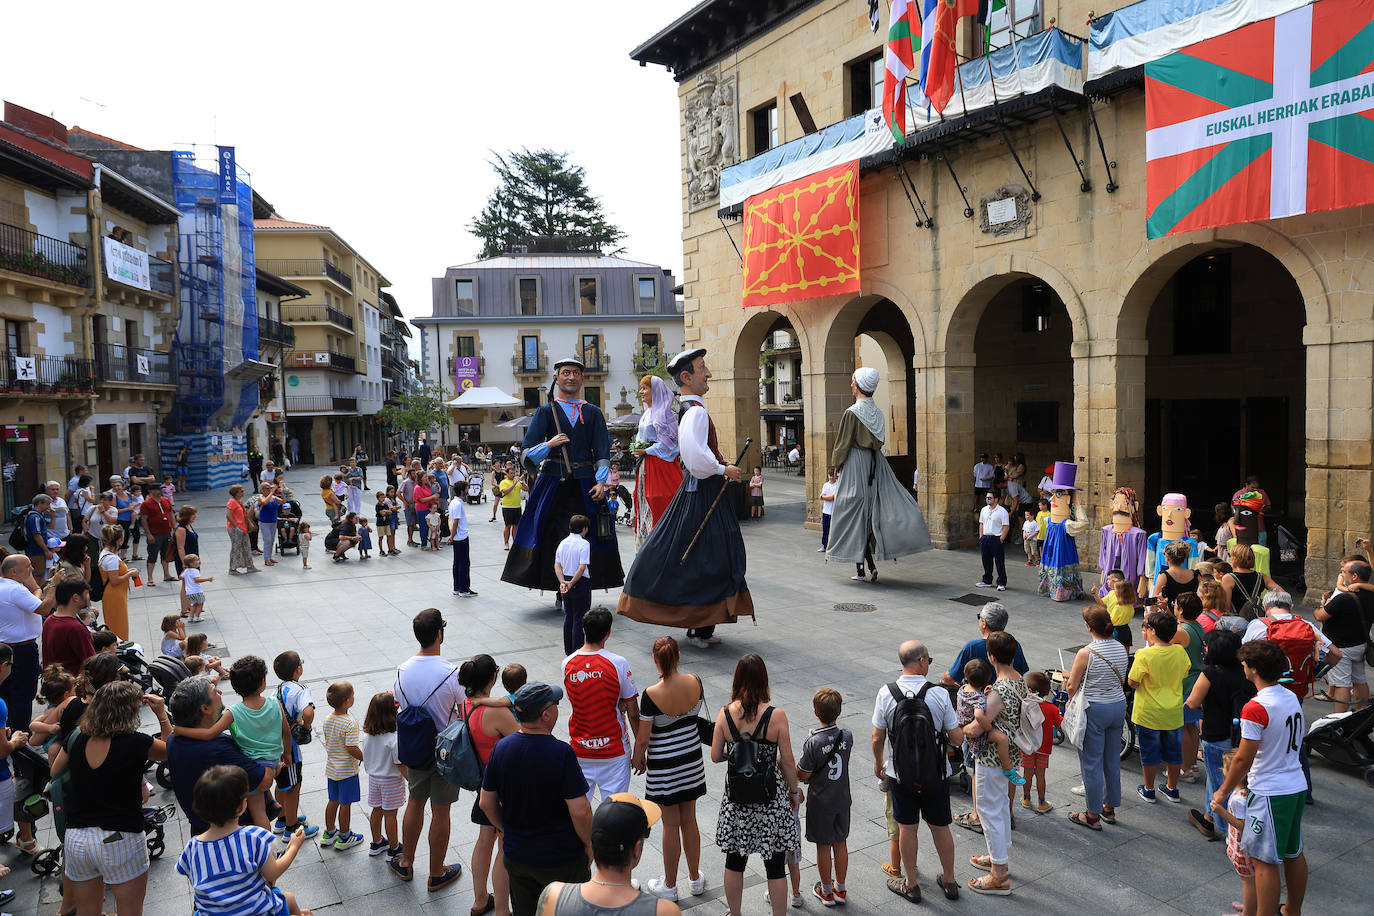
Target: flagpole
<point>1016,52</point>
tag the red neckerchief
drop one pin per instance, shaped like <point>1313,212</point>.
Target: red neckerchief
<point>576,405</point>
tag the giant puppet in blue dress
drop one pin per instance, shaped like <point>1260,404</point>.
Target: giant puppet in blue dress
<point>1060,578</point>
<point>568,445</point>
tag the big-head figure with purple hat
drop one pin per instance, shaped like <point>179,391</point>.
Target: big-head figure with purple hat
<point>1173,526</point>
<point>1060,579</point>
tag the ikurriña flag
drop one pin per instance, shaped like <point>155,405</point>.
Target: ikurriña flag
<point>1271,120</point>
<point>899,58</point>
<point>801,239</point>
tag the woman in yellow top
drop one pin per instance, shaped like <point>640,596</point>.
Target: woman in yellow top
<point>114,603</point>
<point>329,497</point>
<point>512,485</point>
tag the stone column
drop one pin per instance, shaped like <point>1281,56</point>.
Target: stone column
<point>1339,488</point>
<point>944,424</point>
<point>825,398</point>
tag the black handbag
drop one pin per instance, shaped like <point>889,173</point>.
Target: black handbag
<point>706,729</point>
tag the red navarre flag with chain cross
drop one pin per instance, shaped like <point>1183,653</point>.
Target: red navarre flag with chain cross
<point>801,239</point>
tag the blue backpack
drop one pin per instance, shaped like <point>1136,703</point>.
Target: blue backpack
<point>455,755</point>
<point>416,733</point>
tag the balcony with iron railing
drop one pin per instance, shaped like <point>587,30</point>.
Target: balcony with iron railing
<point>274,333</point>
<point>647,362</point>
<point>55,375</point>
<point>115,363</point>
<point>788,392</point>
<point>320,403</point>
<point>41,256</point>
<point>525,365</point>
<point>306,267</point>
<point>316,314</point>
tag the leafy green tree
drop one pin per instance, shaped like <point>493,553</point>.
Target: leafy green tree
<point>540,193</point>
<point>648,361</point>
<point>417,412</point>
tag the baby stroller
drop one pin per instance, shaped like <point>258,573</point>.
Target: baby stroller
<point>476,491</point>
<point>627,506</point>
<point>288,527</point>
<point>1346,738</point>
<point>1060,677</point>
<point>136,669</point>
<point>167,672</point>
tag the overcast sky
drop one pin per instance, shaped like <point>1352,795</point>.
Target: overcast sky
<point>377,126</point>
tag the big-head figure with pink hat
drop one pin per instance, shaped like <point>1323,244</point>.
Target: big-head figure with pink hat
<point>1173,526</point>
<point>1060,578</point>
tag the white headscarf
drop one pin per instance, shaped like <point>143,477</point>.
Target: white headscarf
<point>866,378</point>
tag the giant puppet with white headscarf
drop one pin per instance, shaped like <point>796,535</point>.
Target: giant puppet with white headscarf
<point>656,446</point>
<point>876,518</point>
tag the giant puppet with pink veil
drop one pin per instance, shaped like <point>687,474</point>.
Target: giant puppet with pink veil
<point>656,446</point>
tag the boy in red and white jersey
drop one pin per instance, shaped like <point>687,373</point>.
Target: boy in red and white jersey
<point>602,693</point>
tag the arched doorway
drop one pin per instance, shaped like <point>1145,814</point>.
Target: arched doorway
<point>1225,385</point>
<point>765,381</point>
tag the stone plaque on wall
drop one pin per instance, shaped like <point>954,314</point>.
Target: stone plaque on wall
<point>711,115</point>
<point>1004,212</point>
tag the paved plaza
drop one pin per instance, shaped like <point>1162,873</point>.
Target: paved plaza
<point>352,621</point>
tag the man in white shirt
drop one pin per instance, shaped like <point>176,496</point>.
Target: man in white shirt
<point>75,483</point>
<point>982,476</point>
<point>570,564</point>
<point>269,473</point>
<point>993,525</point>
<point>60,524</point>
<point>828,491</point>
<point>428,679</point>
<point>462,560</point>
<point>22,609</point>
<point>690,572</point>
<point>911,804</point>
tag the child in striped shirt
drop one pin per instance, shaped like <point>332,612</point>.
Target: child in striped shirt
<point>232,869</point>
<point>342,738</point>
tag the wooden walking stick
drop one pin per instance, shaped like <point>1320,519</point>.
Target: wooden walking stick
<point>696,537</point>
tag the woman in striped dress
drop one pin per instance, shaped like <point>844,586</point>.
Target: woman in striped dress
<point>668,747</point>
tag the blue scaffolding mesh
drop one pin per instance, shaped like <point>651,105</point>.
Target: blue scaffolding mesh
<point>218,329</point>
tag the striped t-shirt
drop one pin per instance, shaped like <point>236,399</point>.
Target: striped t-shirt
<point>225,876</point>
<point>340,732</point>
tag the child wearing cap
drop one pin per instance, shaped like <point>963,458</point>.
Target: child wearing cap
<point>619,829</point>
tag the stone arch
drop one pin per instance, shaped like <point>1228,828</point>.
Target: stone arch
<point>1156,262</point>
<point>986,278</point>
<point>739,379</point>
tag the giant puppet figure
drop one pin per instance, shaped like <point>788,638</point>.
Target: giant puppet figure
<point>568,445</point>
<point>1173,526</point>
<point>1247,520</point>
<point>1124,543</point>
<point>656,446</point>
<point>1060,579</point>
<point>690,571</point>
<point>875,517</point>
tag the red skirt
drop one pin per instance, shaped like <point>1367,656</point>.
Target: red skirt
<point>655,485</point>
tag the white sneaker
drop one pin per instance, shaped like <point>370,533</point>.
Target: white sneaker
<point>661,890</point>
<point>1001,588</point>
<point>713,639</point>
<point>698,642</point>
<point>820,550</point>
<point>1079,790</point>
<point>981,584</point>
<point>858,577</point>
<point>697,885</point>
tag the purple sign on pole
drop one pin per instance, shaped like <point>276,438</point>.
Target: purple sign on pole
<point>467,373</point>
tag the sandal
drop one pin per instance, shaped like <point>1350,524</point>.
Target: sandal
<point>983,862</point>
<point>892,871</point>
<point>1323,697</point>
<point>969,822</point>
<point>1109,815</point>
<point>910,892</point>
<point>985,885</point>
<point>1081,819</point>
<point>951,889</point>
<point>27,848</point>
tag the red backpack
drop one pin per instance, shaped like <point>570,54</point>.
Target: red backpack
<point>1299,643</point>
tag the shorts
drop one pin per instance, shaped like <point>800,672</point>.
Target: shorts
<point>410,517</point>
<point>1350,669</point>
<point>1191,716</point>
<point>6,804</point>
<point>910,805</point>
<point>612,774</point>
<point>425,784</point>
<point>264,763</point>
<point>86,855</point>
<point>1036,761</point>
<point>1273,827</point>
<point>479,817</point>
<point>1159,746</point>
<point>289,776</point>
<point>157,545</point>
<point>183,470</point>
<point>345,791</point>
<point>825,825</point>
<point>196,598</point>
<point>386,792</point>
<point>510,516</point>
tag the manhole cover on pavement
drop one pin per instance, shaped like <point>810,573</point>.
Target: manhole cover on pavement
<point>973,598</point>
<point>851,608</point>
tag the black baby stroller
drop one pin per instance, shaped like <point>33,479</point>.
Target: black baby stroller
<point>167,672</point>
<point>627,506</point>
<point>136,670</point>
<point>477,492</point>
<point>1346,738</point>
<point>289,527</point>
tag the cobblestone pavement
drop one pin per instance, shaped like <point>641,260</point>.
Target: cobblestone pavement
<point>352,621</point>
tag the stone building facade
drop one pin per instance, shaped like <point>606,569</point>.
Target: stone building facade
<point>1178,363</point>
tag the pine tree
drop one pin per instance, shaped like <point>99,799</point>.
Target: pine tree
<point>540,193</point>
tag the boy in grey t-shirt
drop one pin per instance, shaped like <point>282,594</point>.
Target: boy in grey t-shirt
<point>824,766</point>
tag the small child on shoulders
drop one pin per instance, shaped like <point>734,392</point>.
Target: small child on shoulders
<point>973,718</point>
<point>824,767</point>
<point>232,868</point>
<point>513,677</point>
<point>1037,765</point>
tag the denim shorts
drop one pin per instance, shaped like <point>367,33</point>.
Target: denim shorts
<point>1158,747</point>
<point>1191,716</point>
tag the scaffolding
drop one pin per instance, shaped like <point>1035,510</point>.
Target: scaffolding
<point>218,329</point>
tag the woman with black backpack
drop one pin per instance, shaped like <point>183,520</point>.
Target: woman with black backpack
<point>761,790</point>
